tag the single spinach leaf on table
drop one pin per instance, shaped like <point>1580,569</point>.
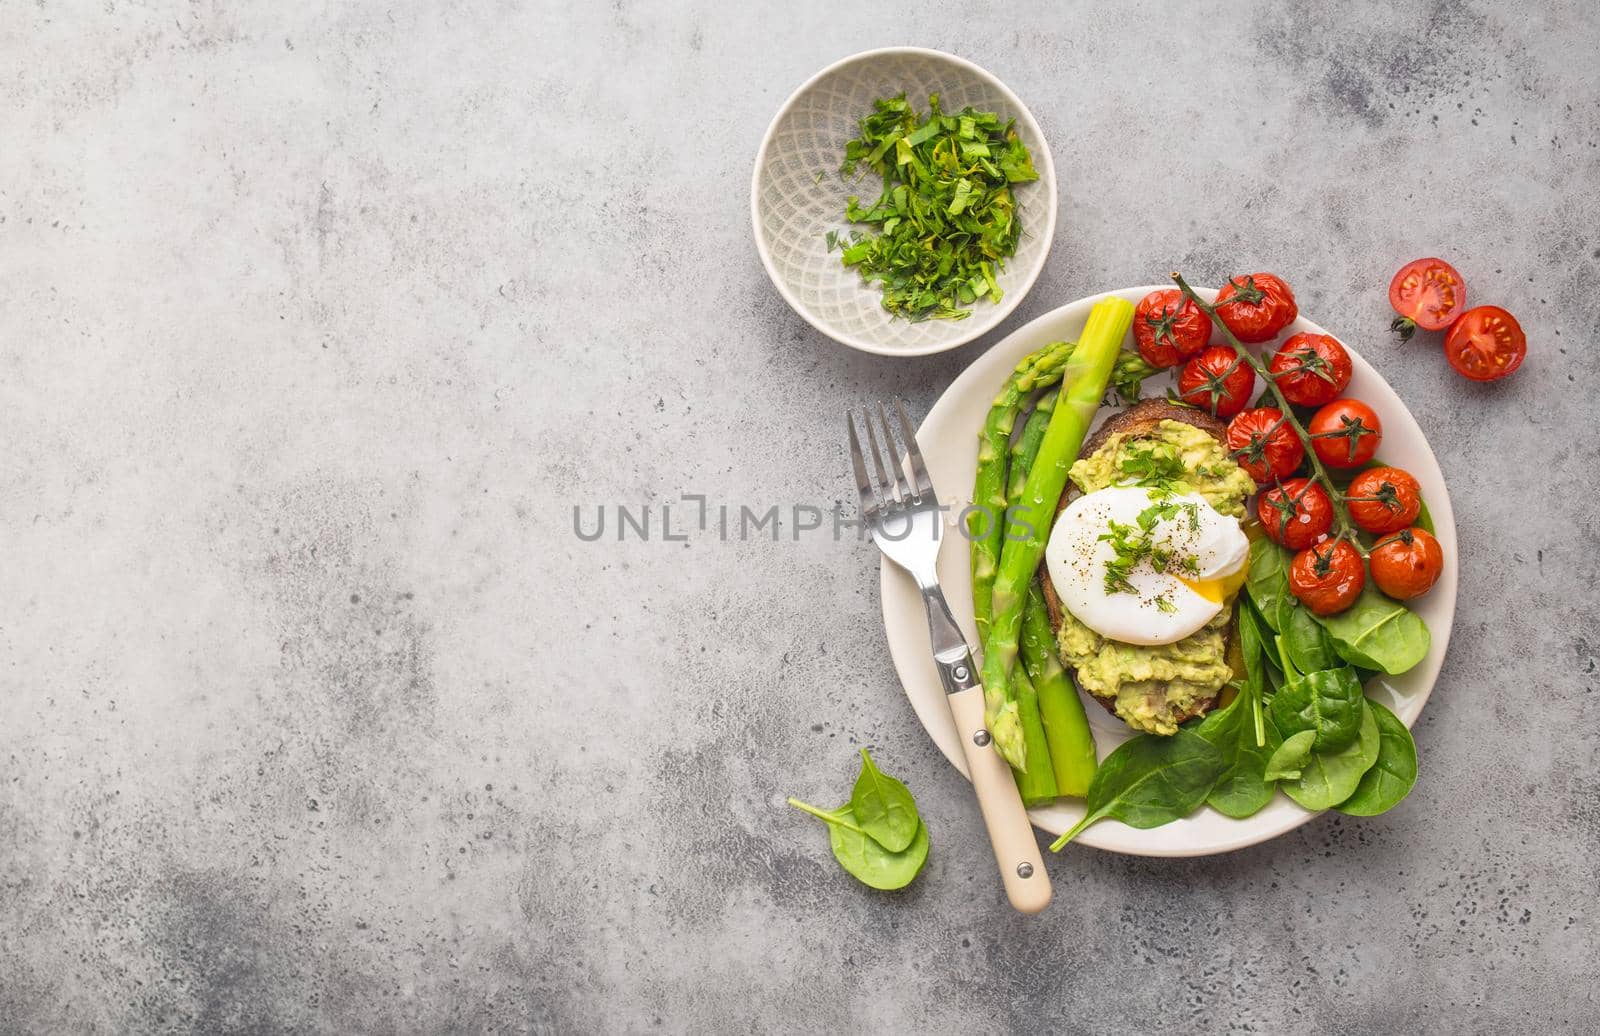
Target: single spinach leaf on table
<point>1290,756</point>
<point>1391,778</point>
<point>883,807</point>
<point>1378,633</point>
<point>1328,778</point>
<point>1241,788</point>
<point>861,855</point>
<point>1149,781</point>
<point>1328,703</point>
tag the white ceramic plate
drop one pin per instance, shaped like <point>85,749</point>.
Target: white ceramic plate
<point>797,196</point>
<point>949,442</point>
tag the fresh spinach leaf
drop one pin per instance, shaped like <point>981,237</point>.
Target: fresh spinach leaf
<point>1291,755</point>
<point>1252,648</point>
<point>1309,646</point>
<point>1241,788</point>
<point>1392,776</point>
<point>1149,781</point>
<point>1378,633</point>
<point>861,855</point>
<point>883,807</point>
<point>1268,581</point>
<point>1328,703</point>
<point>1328,778</point>
<point>1424,518</point>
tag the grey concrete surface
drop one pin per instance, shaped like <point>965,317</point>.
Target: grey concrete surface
<point>317,320</point>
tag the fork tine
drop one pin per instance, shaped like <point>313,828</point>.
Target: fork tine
<point>919,470</point>
<point>869,499</point>
<point>888,494</point>
<point>906,492</point>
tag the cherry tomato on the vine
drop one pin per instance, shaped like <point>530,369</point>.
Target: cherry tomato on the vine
<point>1256,306</point>
<point>1486,344</point>
<point>1310,369</point>
<point>1218,381</point>
<point>1295,514</point>
<point>1327,577</point>
<point>1427,293</point>
<point>1168,328</point>
<point>1383,500</point>
<point>1407,564</point>
<point>1264,444</point>
<point>1345,433</point>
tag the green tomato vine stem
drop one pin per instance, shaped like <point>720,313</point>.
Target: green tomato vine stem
<point>1341,514</point>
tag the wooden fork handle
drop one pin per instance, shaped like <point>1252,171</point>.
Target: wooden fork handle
<point>1016,849</point>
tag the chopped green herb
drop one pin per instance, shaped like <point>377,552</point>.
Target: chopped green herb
<point>1132,545</point>
<point>947,218</point>
<point>1157,466</point>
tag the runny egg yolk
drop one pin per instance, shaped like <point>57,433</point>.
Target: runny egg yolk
<point>1220,590</point>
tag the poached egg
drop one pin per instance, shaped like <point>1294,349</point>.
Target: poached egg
<point>1142,567</point>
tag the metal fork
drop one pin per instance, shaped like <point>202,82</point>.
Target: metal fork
<point>904,518</point>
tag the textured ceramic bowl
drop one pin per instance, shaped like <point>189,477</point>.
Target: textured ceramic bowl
<point>793,209</point>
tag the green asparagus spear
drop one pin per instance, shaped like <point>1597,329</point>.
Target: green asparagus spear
<point>985,523</point>
<point>1066,727</point>
<point>1083,384</point>
<point>1026,448</point>
<point>1038,783</point>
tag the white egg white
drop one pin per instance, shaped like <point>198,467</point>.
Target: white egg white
<point>1208,556</point>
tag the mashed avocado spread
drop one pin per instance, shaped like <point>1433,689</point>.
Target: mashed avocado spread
<point>1154,686</point>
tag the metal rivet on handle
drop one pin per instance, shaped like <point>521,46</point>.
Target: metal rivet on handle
<point>960,672</point>
<point>981,738</point>
<point>1024,870</point>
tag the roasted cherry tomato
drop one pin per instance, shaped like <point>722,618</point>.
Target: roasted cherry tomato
<point>1327,577</point>
<point>1345,433</point>
<point>1256,306</point>
<point>1264,444</point>
<point>1407,564</point>
<point>1427,293</point>
<point>1218,380</point>
<point>1310,369</point>
<point>1295,514</point>
<point>1169,328</point>
<point>1383,500</point>
<point>1487,343</point>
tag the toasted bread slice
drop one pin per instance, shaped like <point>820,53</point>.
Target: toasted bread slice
<point>1139,420</point>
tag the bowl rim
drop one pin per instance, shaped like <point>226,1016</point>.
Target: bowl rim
<point>1013,298</point>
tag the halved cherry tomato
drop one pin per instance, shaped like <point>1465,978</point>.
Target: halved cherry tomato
<point>1295,514</point>
<point>1310,369</point>
<point>1256,306</point>
<point>1345,433</point>
<point>1264,444</point>
<point>1427,293</point>
<point>1487,343</point>
<point>1169,327</point>
<point>1328,577</point>
<point>1407,564</point>
<point>1383,500</point>
<point>1218,380</point>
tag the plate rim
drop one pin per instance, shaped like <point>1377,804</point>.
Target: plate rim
<point>1112,835</point>
<point>1006,305</point>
